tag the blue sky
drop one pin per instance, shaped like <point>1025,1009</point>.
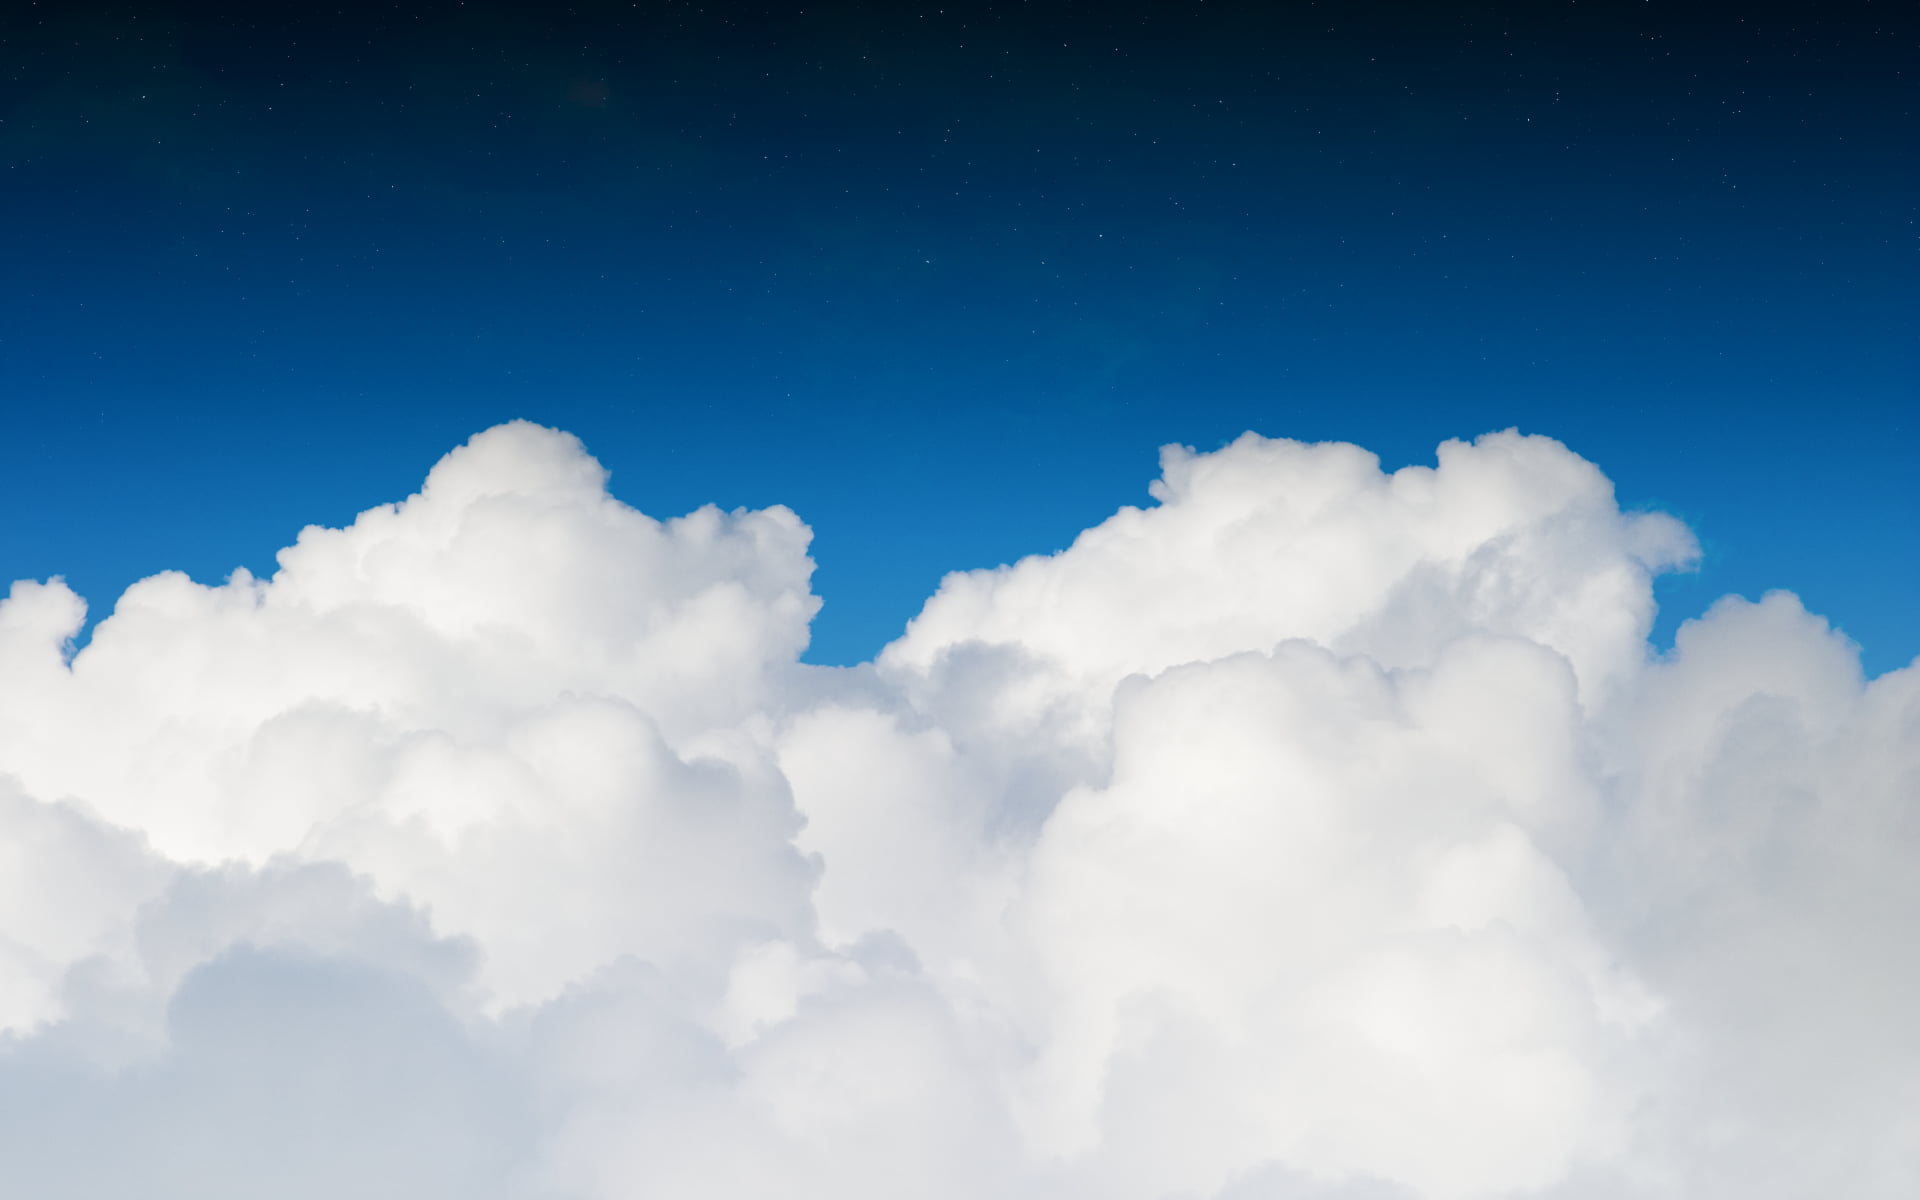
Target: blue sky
<point>943,281</point>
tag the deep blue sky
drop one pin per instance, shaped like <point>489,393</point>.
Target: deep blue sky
<point>943,280</point>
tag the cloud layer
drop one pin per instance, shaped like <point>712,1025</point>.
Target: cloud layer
<point>1315,833</point>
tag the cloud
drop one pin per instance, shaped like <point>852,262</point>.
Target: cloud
<point>1316,832</point>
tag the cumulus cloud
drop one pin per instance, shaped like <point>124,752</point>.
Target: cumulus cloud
<point>1316,833</point>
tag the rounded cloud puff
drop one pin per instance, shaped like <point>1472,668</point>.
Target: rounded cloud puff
<point>1314,833</point>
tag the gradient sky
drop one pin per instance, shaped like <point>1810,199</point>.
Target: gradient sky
<point>943,280</point>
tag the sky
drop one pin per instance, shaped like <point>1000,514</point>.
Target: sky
<point>1134,602</point>
<point>944,280</point>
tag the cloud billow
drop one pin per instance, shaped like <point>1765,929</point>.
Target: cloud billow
<point>1315,833</point>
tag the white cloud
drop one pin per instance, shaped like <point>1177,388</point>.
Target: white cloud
<point>1317,833</point>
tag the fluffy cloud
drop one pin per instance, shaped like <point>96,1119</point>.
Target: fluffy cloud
<point>1314,833</point>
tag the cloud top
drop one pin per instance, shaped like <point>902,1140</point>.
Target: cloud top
<point>1313,832</point>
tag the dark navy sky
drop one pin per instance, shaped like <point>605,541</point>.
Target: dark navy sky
<point>942,280</point>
